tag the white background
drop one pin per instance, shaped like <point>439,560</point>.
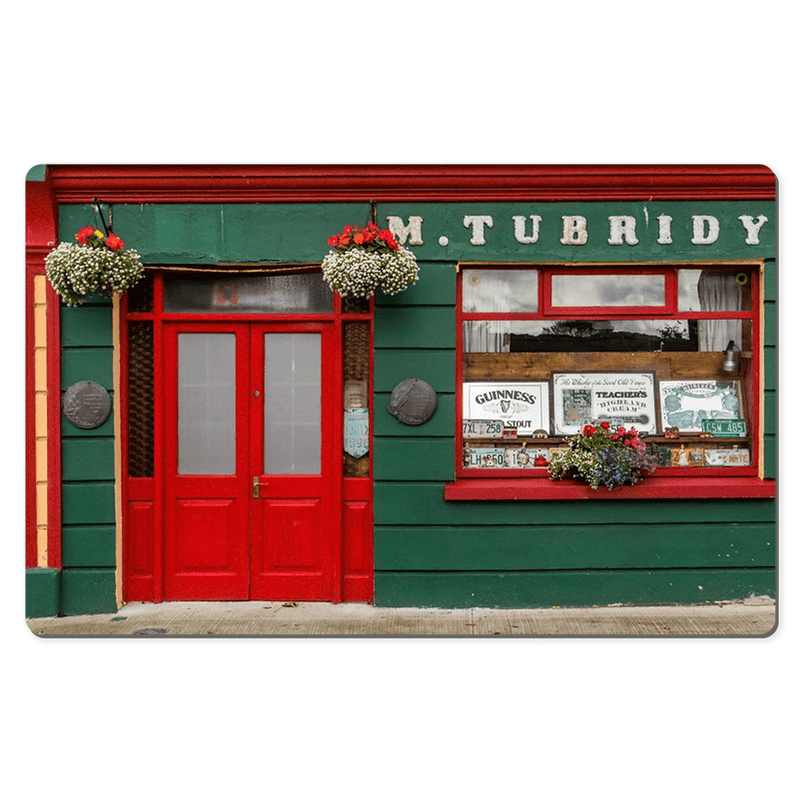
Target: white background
<point>517,82</point>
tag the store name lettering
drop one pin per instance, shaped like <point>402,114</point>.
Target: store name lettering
<point>575,229</point>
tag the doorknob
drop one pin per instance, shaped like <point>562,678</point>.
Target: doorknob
<point>256,487</point>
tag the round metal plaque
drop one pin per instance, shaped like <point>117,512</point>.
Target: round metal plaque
<point>86,404</point>
<point>413,402</point>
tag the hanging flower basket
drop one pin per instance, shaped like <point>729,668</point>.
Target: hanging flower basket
<point>368,260</point>
<point>603,457</point>
<point>97,264</point>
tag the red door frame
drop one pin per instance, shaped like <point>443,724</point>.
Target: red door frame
<point>144,523</point>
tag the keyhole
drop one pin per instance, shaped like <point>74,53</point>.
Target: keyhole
<point>256,393</point>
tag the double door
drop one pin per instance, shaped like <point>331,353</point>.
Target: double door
<point>251,475</point>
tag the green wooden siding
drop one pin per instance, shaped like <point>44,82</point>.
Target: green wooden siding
<point>523,589</point>
<point>88,537</point>
<point>579,546</point>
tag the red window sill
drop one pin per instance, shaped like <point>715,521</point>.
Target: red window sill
<point>648,489</point>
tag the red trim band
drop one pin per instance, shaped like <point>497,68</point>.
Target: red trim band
<point>648,489</point>
<point>405,182</point>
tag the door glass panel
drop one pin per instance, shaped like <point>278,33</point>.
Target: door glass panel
<point>608,290</point>
<point>292,408</point>
<point>206,403</point>
<point>304,292</point>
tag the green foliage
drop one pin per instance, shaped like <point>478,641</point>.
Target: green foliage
<point>603,457</point>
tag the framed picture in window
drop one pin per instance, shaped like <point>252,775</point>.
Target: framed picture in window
<point>524,406</point>
<point>685,404</point>
<point>619,398</point>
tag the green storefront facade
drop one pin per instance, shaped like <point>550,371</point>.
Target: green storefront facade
<point>434,530</point>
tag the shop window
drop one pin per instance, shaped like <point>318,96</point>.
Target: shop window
<point>547,350</point>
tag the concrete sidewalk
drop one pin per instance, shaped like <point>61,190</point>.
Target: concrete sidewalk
<point>753,617</point>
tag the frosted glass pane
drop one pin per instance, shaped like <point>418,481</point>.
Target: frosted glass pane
<point>509,291</point>
<point>304,292</point>
<point>206,404</point>
<point>292,408</point>
<point>608,290</point>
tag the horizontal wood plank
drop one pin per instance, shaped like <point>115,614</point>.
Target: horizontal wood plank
<point>409,503</point>
<point>436,367</point>
<point>436,285</point>
<point>442,423</point>
<point>545,547</point>
<point>88,546</point>
<point>87,503</point>
<point>415,326</point>
<point>566,588</point>
<point>415,458</point>
<point>539,366</point>
<point>87,459</point>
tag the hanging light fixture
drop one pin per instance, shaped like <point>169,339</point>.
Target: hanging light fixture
<point>730,363</point>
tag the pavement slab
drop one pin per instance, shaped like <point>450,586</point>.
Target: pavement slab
<point>755,617</point>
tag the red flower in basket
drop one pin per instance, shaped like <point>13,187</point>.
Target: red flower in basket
<point>83,234</point>
<point>388,239</point>
<point>114,242</point>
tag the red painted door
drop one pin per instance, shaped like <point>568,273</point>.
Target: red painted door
<point>250,472</point>
<point>294,527</point>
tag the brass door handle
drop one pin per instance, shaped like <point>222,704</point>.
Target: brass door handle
<point>257,486</point>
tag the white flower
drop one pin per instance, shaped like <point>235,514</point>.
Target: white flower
<point>358,273</point>
<point>76,271</point>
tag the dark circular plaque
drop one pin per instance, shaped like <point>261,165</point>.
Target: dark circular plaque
<point>413,402</point>
<point>86,404</point>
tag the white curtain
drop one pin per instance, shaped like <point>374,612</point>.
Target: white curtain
<point>487,336</point>
<point>718,292</point>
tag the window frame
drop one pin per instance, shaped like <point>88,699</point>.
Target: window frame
<point>533,482</point>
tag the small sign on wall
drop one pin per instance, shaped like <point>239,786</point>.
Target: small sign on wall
<point>356,431</point>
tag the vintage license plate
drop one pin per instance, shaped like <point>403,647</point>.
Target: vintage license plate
<point>482,428</point>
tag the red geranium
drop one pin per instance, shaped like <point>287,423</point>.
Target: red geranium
<point>114,242</point>
<point>370,236</point>
<point>83,234</point>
